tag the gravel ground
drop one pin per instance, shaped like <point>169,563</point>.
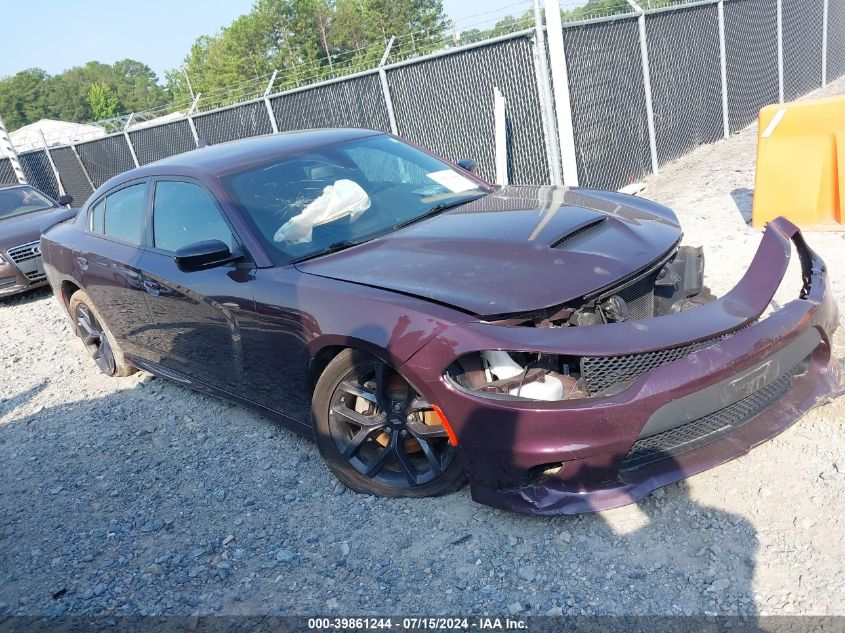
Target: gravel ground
<point>137,496</point>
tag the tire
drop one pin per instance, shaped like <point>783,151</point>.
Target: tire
<point>89,326</point>
<point>404,454</point>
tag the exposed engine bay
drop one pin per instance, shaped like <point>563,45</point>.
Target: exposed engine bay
<point>675,283</point>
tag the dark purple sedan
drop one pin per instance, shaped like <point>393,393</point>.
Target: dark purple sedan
<point>554,346</point>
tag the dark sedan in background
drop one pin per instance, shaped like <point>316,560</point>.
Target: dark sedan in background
<point>24,213</point>
<point>555,346</point>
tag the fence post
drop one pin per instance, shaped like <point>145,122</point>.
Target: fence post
<point>723,60</point>
<point>9,151</point>
<point>268,105</point>
<point>649,107</point>
<point>385,88</point>
<point>52,164</point>
<point>542,71</point>
<point>501,135</point>
<point>824,42</point>
<point>780,50</point>
<point>131,149</point>
<point>84,170</point>
<point>563,103</point>
<point>190,118</point>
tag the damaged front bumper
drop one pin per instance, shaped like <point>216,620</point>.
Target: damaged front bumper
<point>727,382</point>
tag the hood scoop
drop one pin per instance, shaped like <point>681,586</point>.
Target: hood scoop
<point>580,231</point>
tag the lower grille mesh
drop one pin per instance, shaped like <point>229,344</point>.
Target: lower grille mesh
<point>707,428</point>
<point>602,372</point>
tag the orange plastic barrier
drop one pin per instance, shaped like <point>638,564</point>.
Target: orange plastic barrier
<point>801,164</point>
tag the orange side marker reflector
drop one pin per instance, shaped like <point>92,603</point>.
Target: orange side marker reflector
<point>452,437</point>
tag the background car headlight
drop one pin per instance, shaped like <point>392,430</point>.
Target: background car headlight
<point>522,375</point>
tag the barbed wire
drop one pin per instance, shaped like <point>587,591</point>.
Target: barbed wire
<point>342,63</point>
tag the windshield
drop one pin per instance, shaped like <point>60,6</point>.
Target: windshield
<point>24,199</point>
<point>344,194</point>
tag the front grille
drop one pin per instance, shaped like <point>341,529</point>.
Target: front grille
<point>707,428</point>
<point>36,276</point>
<point>25,252</point>
<point>600,373</point>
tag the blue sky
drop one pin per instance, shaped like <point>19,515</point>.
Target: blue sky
<point>58,34</point>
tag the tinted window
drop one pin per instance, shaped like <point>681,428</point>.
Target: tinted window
<point>98,217</point>
<point>124,213</point>
<point>184,213</point>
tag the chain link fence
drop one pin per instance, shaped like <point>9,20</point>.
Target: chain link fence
<point>74,179</point>
<point>106,157</point>
<point>444,100</point>
<point>686,89</point>
<point>7,174</point>
<point>803,30</point>
<point>835,39</point>
<point>229,124</point>
<point>356,102</point>
<point>609,115</point>
<point>162,141</point>
<point>453,115</point>
<point>38,171</point>
<point>751,43</point>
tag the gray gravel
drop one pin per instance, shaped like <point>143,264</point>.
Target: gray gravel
<point>137,496</point>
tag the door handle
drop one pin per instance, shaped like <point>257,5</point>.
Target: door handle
<point>83,262</point>
<point>152,287</point>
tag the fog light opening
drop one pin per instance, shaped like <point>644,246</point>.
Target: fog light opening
<point>539,475</point>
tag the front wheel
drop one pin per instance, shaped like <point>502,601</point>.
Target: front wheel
<point>96,337</point>
<point>377,434</point>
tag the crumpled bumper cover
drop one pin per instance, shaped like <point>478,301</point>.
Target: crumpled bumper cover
<point>763,377</point>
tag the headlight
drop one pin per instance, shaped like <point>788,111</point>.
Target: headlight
<point>3,260</point>
<point>520,375</point>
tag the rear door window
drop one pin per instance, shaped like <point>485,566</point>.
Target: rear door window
<point>121,214</point>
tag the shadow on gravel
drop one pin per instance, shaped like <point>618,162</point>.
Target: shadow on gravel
<point>744,201</point>
<point>10,404</point>
<point>30,296</point>
<point>664,555</point>
<point>126,504</point>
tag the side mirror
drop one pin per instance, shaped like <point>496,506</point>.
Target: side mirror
<point>206,254</point>
<point>64,200</point>
<point>469,164</point>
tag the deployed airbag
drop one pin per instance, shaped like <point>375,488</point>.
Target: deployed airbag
<point>343,198</point>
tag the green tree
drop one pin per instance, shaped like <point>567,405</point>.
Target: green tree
<point>103,102</point>
<point>24,97</point>
<point>306,40</point>
<point>33,94</point>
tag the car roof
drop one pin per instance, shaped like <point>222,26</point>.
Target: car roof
<point>235,155</point>
<point>217,160</point>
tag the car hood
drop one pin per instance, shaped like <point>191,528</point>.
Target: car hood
<point>28,227</point>
<point>515,250</point>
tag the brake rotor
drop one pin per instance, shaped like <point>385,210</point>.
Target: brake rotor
<point>399,385</point>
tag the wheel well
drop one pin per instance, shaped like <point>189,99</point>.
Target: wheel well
<point>68,288</point>
<point>319,362</point>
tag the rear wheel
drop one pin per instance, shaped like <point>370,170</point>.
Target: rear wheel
<point>377,434</point>
<point>96,337</point>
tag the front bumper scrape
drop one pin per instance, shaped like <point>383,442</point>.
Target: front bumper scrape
<point>755,379</point>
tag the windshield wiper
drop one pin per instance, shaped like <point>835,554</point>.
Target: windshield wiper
<point>438,208</point>
<point>331,248</point>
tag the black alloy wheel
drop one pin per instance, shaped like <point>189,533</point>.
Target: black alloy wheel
<point>379,435</point>
<point>95,340</point>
